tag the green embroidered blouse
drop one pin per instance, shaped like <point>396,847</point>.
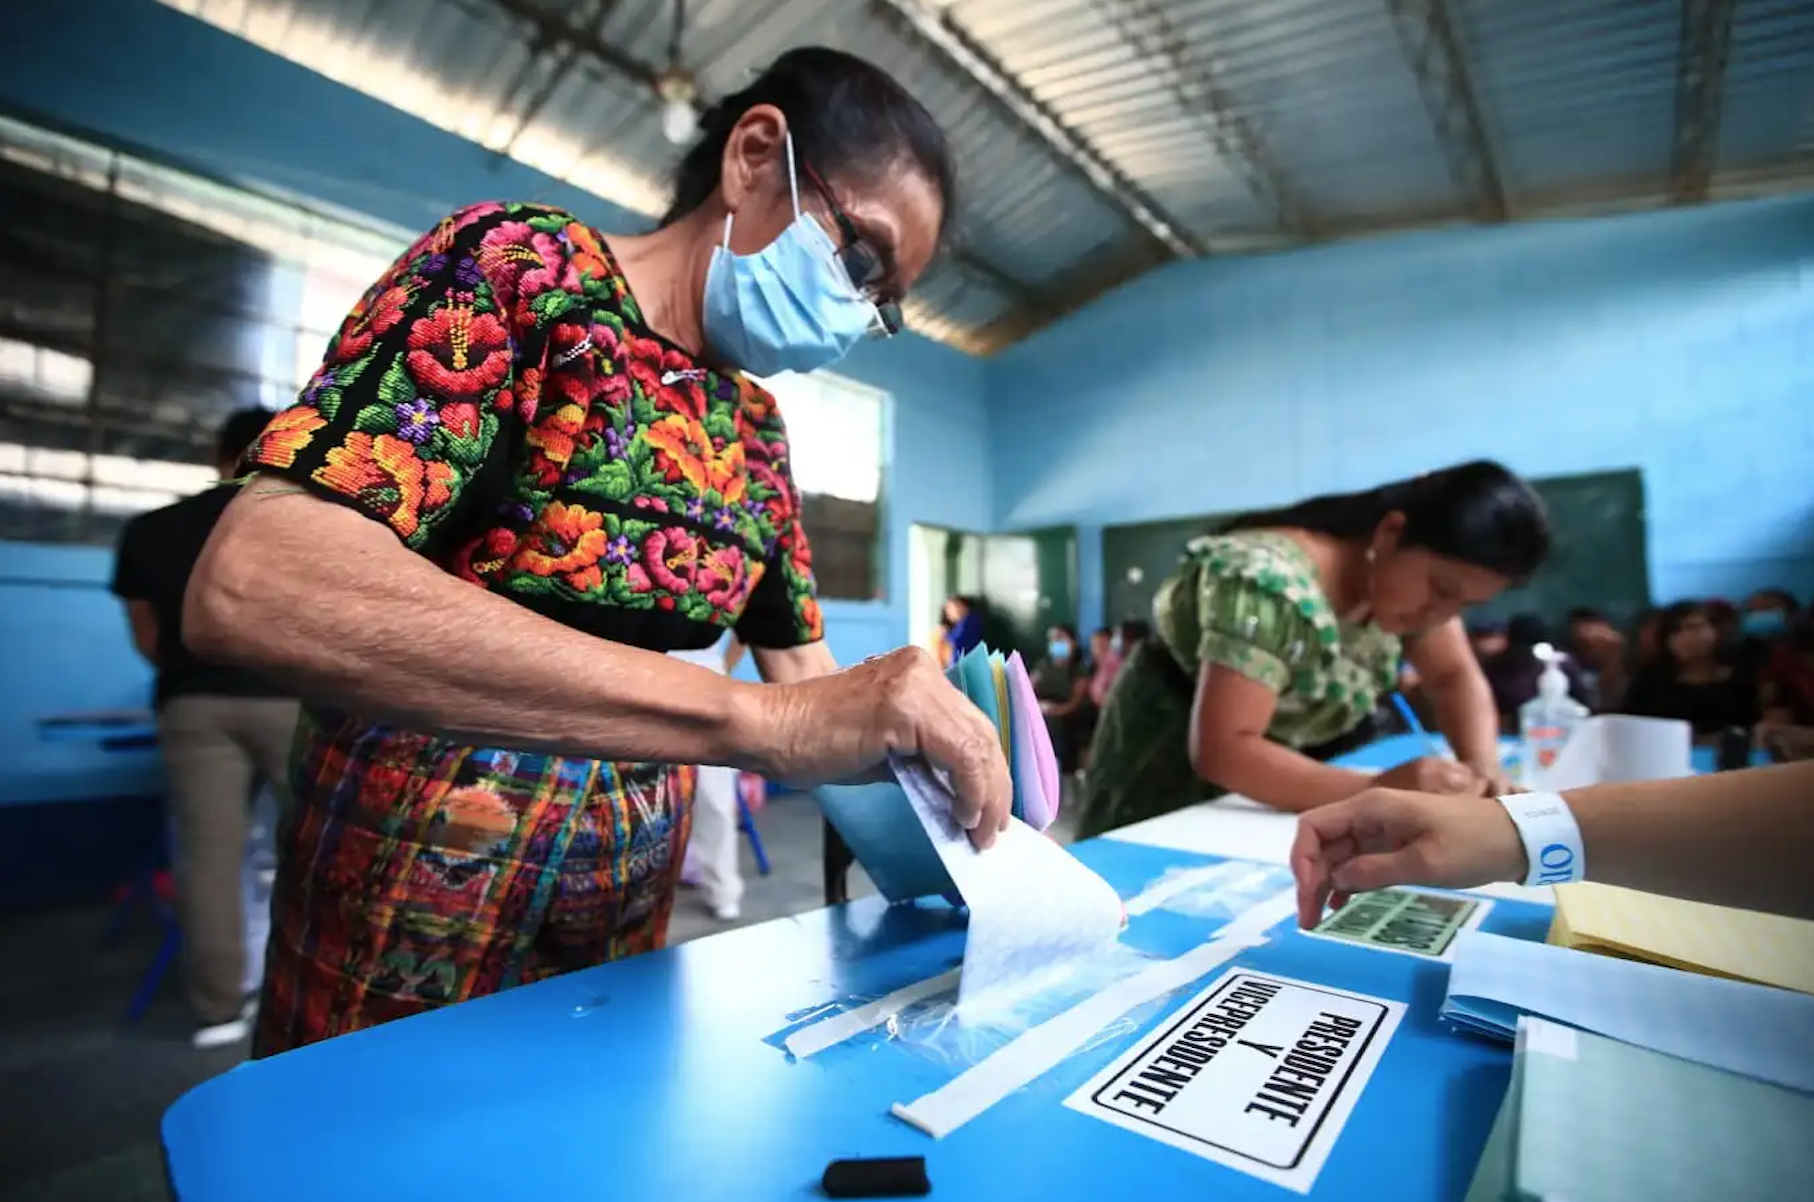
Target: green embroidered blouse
<point>1251,602</point>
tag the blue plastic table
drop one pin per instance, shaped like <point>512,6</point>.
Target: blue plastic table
<point>654,1078</point>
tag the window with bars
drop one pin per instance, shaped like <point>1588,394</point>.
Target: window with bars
<point>834,432</point>
<point>139,305</point>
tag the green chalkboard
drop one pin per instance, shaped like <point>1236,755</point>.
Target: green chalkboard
<point>1598,558</point>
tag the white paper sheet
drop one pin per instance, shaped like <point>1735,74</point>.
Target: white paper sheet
<point>1034,907</point>
<point>1645,748</point>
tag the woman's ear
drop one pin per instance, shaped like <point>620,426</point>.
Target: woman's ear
<point>1386,535</point>
<point>754,154</point>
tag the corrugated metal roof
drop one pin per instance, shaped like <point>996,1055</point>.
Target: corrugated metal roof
<point>1235,124</point>
<point>1767,117</point>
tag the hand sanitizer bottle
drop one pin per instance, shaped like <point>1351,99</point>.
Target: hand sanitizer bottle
<point>1546,721</point>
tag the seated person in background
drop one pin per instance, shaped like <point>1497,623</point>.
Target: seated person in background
<point>219,728</point>
<point>941,641</point>
<point>963,626</point>
<point>1787,693</point>
<point>1741,839</point>
<point>1105,661</point>
<point>1764,618</point>
<point>1598,652</point>
<point>1693,678</point>
<point>1061,681</point>
<point>1514,671</point>
<point>1646,643</point>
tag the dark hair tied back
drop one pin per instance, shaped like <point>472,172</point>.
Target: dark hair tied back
<point>1479,513</point>
<point>848,118</point>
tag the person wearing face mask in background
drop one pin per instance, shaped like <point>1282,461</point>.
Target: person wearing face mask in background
<point>532,462</point>
<point>1276,640</point>
<point>1061,681</point>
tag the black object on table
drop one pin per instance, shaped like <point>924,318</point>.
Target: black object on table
<point>877,1177</point>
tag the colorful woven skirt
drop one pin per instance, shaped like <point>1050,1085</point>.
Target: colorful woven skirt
<point>414,873</point>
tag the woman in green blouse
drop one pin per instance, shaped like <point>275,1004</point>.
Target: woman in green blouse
<point>1278,636</point>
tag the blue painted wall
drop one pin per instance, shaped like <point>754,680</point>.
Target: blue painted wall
<point>1679,342</point>
<point>194,94</point>
<point>65,647</point>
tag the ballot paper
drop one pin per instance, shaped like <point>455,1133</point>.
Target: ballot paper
<point>1031,747</point>
<point>1590,1119</point>
<point>1034,908</point>
<point>1749,1029</point>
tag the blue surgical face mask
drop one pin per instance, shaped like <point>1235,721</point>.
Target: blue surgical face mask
<point>1763,623</point>
<point>788,307</point>
<point>1059,649</point>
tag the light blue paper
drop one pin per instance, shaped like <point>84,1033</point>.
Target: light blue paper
<point>877,821</point>
<point>1607,1122</point>
<point>1749,1029</point>
<point>878,825</point>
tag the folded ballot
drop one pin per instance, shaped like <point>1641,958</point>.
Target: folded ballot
<point>877,822</point>
<point>1752,1030</point>
<point>1591,1119</point>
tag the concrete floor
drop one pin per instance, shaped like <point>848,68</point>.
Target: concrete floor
<point>81,1092</point>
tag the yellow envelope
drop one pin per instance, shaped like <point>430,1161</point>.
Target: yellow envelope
<point>1715,941</point>
<point>998,669</point>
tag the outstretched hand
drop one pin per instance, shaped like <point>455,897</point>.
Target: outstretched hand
<point>1384,837</point>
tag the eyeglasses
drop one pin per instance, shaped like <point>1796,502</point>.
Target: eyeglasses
<point>863,263</point>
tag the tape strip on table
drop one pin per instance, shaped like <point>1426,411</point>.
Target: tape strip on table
<point>1038,1051</point>
<point>848,1024</point>
<point>1161,891</point>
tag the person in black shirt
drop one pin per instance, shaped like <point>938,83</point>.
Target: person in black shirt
<point>219,727</point>
<point>1694,678</point>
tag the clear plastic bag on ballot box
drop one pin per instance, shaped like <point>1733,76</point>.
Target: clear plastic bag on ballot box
<point>923,1017</point>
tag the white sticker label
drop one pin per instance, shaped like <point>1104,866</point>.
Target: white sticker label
<point>1258,1073</point>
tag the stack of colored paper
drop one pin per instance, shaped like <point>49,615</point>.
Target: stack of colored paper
<point>877,821</point>
<point>1589,1118</point>
<point>1766,949</point>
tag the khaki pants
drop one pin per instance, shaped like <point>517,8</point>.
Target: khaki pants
<point>214,749</point>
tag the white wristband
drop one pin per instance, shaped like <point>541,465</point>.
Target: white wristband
<point>1552,840</point>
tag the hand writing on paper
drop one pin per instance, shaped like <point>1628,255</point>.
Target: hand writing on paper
<point>845,725</point>
<point>1386,837</point>
<point>1434,774</point>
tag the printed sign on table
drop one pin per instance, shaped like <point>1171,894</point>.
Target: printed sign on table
<point>1258,1073</point>
<point>1412,922</point>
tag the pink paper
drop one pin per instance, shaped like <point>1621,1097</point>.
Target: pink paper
<point>1030,725</point>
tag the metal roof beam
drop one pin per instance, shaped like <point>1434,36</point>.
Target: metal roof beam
<point>554,27</point>
<point>1070,146</point>
<point>1191,78</point>
<point>1699,92</point>
<point>1427,33</point>
<point>566,55</point>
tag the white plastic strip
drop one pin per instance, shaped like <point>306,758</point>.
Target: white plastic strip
<point>1168,887</point>
<point>835,1029</point>
<point>1043,1048</point>
<point>1255,921</point>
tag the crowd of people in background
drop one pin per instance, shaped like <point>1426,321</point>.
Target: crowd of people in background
<point>1071,678</point>
<point>1713,664</point>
